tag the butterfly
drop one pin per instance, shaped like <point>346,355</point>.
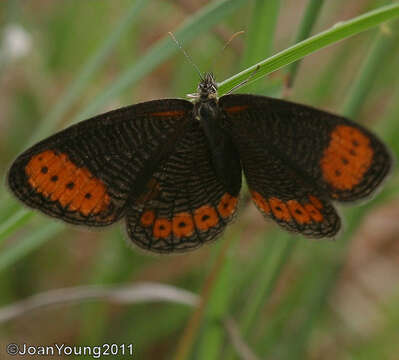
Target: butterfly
<point>172,168</point>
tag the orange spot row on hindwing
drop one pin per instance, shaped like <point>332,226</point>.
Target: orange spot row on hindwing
<point>291,209</point>
<point>261,202</point>
<point>227,205</point>
<point>347,157</point>
<point>55,177</point>
<point>183,224</point>
<point>280,209</point>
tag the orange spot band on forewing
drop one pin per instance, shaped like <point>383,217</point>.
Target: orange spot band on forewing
<point>298,212</point>
<point>171,113</point>
<point>182,225</point>
<point>55,177</point>
<point>347,157</point>
<point>314,213</point>
<point>147,219</point>
<point>280,209</point>
<point>162,228</point>
<point>260,202</point>
<point>227,205</point>
<point>237,108</point>
<point>205,217</point>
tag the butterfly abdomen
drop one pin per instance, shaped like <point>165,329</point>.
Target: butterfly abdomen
<point>224,155</point>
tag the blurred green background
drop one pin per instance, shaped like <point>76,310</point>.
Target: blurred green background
<point>265,293</point>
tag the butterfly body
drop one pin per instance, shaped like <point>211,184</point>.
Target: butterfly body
<point>224,155</point>
<point>172,168</point>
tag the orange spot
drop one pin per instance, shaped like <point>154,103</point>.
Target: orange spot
<point>39,168</point>
<point>92,197</point>
<point>84,187</point>
<point>182,225</point>
<point>298,212</point>
<point>172,113</point>
<point>205,217</point>
<point>56,177</point>
<point>236,108</point>
<point>315,214</point>
<point>261,202</point>
<point>65,174</point>
<point>227,205</point>
<point>162,228</point>
<point>47,184</point>
<point>279,209</point>
<point>347,157</point>
<point>147,219</point>
<point>316,202</point>
<point>72,188</point>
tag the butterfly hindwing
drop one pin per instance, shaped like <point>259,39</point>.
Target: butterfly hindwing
<point>283,194</point>
<point>86,173</point>
<point>185,203</point>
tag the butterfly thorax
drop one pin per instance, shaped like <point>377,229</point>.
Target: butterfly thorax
<point>206,109</point>
<point>206,90</point>
<point>223,153</point>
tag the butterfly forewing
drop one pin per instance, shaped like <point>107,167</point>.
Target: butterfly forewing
<point>344,159</point>
<point>86,173</point>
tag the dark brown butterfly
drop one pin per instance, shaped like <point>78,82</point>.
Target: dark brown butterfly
<point>172,168</point>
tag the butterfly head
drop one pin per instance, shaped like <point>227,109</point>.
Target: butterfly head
<point>207,88</point>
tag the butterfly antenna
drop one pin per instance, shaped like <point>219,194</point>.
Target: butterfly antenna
<point>188,57</point>
<point>232,37</point>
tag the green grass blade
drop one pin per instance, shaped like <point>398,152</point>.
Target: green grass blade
<point>213,303</point>
<point>326,83</point>
<point>368,73</point>
<point>28,244</point>
<point>263,27</point>
<point>309,19</point>
<point>269,261</point>
<point>213,333</point>
<point>261,32</point>
<point>276,256</point>
<point>390,131</point>
<point>14,222</point>
<point>337,33</point>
